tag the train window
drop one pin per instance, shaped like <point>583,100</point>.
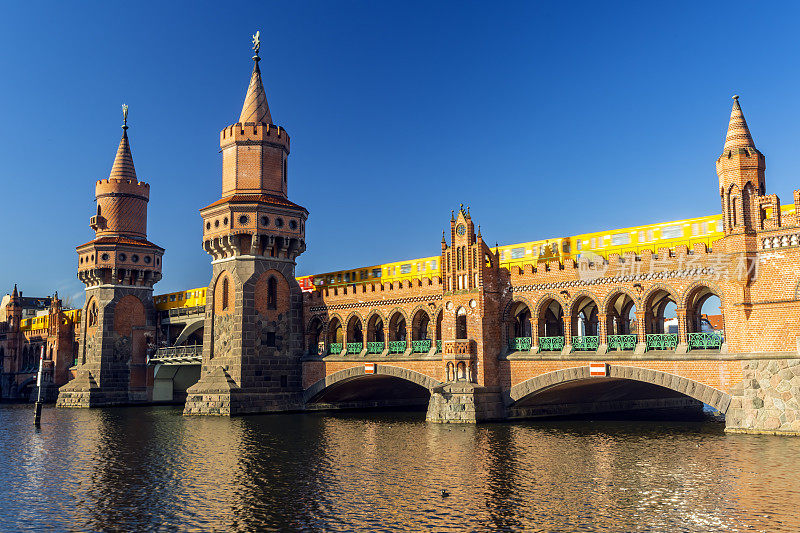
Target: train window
<point>554,248</point>
<point>180,297</point>
<point>620,239</point>
<point>376,272</point>
<point>338,278</point>
<point>518,253</point>
<point>641,236</point>
<point>405,269</point>
<point>672,232</point>
<point>347,277</point>
<point>171,297</point>
<point>594,242</point>
<point>565,247</point>
<point>433,264</point>
<point>718,226</point>
<point>650,235</point>
<point>578,243</point>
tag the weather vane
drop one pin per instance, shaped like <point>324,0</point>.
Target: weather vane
<point>124,115</point>
<point>257,41</point>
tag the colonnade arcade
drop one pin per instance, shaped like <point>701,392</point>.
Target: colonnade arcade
<point>375,333</point>
<point>585,322</point>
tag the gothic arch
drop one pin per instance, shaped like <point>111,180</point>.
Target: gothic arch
<point>351,315</point>
<point>357,372</point>
<point>660,287</point>
<point>544,299</point>
<point>685,300</point>
<point>578,296</point>
<point>614,294</point>
<point>513,303</point>
<point>716,398</point>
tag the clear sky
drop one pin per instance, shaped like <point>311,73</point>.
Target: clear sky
<point>547,118</point>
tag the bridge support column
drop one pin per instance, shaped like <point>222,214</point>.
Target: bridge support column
<point>465,403</point>
<point>767,400</point>
<point>683,337</point>
<point>641,331</point>
<point>602,332</point>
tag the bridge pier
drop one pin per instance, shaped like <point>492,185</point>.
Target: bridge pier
<point>462,402</point>
<point>768,398</point>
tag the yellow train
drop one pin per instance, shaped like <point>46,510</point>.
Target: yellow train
<point>636,239</point>
<point>43,322</point>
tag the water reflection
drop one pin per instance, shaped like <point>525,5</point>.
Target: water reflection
<point>153,469</point>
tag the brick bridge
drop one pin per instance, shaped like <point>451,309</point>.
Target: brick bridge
<point>476,342</point>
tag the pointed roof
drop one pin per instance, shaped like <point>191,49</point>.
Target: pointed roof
<point>738,132</point>
<point>15,294</point>
<point>255,108</point>
<point>123,162</point>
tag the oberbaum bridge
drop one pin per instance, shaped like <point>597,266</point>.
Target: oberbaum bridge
<point>477,342</point>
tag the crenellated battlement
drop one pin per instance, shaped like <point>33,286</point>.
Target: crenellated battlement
<point>251,131</point>
<point>116,185</point>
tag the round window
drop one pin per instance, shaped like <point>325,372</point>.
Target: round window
<point>265,221</point>
<point>104,257</point>
<point>135,258</point>
<point>81,260</point>
<point>243,220</point>
<point>147,259</point>
<point>122,257</point>
<point>279,222</point>
<point>225,221</point>
<point>216,223</point>
<point>293,224</point>
<point>208,225</point>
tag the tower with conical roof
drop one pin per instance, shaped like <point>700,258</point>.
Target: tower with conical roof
<point>119,268</point>
<point>740,169</point>
<point>253,330</point>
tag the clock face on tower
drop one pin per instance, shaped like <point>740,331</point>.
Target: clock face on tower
<point>461,230</point>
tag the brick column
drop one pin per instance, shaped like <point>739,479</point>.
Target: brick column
<point>602,333</point>
<point>641,329</point>
<point>683,337</point>
<point>567,325</point>
<point>534,333</point>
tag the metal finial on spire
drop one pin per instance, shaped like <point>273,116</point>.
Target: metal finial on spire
<point>256,44</point>
<point>735,96</point>
<point>124,116</point>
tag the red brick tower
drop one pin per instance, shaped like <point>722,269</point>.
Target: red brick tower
<point>253,331</point>
<point>740,169</point>
<point>119,268</point>
<point>13,346</point>
<point>470,327</point>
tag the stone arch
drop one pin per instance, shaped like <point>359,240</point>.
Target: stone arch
<point>421,321</point>
<point>356,372</point>
<point>517,320</point>
<point>355,328</point>
<point>619,321</point>
<point>334,330</point>
<point>586,315</point>
<point>376,323</point>
<point>511,304</point>
<point>223,293</point>
<point>547,325</point>
<point>398,325</point>
<point>612,296</point>
<point>685,300</point>
<point>716,398</point>
<point>314,333</point>
<point>654,302</point>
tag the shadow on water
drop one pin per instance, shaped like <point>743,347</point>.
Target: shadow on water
<point>153,469</point>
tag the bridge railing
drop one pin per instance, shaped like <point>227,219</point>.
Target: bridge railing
<point>585,343</point>
<point>439,346</point>
<point>520,344</point>
<point>397,346</point>
<point>178,354</point>
<point>661,341</point>
<point>706,340</point>
<point>374,347</point>
<point>335,348</point>
<point>183,311</point>
<point>551,344</point>
<point>354,347</point>
<point>421,346</point>
<point>622,342</point>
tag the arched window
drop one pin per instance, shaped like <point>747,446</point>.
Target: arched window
<point>98,209</point>
<point>225,291</point>
<point>272,293</point>
<point>461,323</point>
<point>734,210</point>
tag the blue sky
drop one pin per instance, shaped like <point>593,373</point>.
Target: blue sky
<point>547,118</point>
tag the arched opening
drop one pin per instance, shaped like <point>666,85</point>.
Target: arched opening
<point>355,335</point>
<point>24,362</point>
<point>397,333</point>
<point>705,324</point>
<point>461,371</point>
<point>272,293</point>
<point>225,293</point>
<point>439,320</point>
<point>519,328</point>
<point>91,315</point>
<point>314,335</point>
<point>420,332</point>
<point>451,372</point>
<point>585,324</point>
<point>376,342</point>
<point>550,325</point>
<point>335,337</point>
<point>661,321</point>
<point>461,324</point>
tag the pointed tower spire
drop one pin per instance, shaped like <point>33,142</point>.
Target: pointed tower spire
<point>123,162</point>
<point>738,132</point>
<point>14,294</point>
<point>255,108</point>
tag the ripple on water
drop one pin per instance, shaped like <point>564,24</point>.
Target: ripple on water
<point>153,469</point>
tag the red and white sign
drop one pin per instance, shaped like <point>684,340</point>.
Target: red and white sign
<point>369,368</point>
<point>598,370</point>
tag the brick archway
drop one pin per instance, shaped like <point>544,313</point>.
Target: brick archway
<point>355,372</point>
<point>716,398</point>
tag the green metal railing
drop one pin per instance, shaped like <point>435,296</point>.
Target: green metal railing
<point>421,346</point>
<point>520,344</point>
<point>551,344</point>
<point>397,346</point>
<point>375,347</point>
<point>585,343</point>
<point>661,341</point>
<point>621,342</point>
<point>439,346</point>
<point>355,347</point>
<point>705,340</point>
<point>335,348</point>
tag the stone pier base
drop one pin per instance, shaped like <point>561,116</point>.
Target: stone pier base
<point>767,400</point>
<point>84,392</point>
<point>465,403</point>
<point>218,394</point>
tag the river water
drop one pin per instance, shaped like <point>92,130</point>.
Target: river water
<point>149,468</point>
